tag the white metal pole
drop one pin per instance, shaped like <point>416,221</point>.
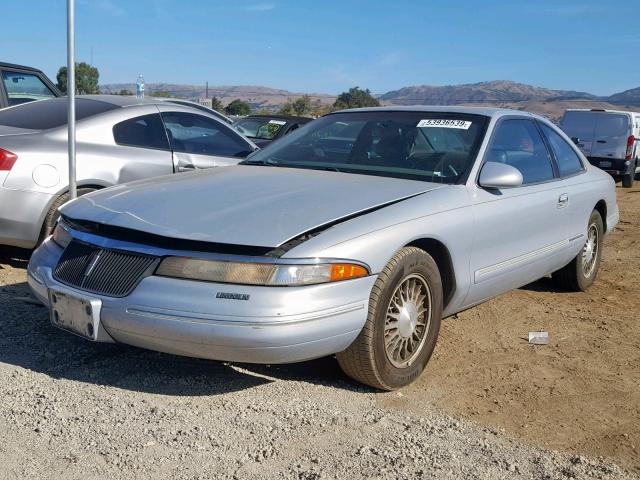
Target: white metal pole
<point>71,95</point>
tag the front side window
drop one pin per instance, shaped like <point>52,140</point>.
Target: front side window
<point>190,133</point>
<point>24,87</point>
<point>430,146</point>
<point>145,131</point>
<point>518,143</point>
<point>567,159</point>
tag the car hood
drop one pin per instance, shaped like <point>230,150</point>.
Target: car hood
<point>241,205</point>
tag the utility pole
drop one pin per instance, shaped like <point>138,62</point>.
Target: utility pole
<point>71,95</point>
<point>206,95</point>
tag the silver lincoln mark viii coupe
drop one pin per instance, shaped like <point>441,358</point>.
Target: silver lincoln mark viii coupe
<point>354,236</point>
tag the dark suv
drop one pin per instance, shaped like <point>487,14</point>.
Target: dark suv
<point>19,84</point>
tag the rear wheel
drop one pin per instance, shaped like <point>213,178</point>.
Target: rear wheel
<point>627,180</point>
<point>52,215</point>
<point>581,272</point>
<point>405,309</point>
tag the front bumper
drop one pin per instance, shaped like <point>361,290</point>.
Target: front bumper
<point>183,317</point>
<point>21,216</point>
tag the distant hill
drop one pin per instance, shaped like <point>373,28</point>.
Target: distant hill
<point>553,109</point>
<point>628,97</point>
<point>483,92</point>
<point>258,97</point>
<point>504,93</point>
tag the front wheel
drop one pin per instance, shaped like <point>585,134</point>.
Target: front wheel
<point>581,272</point>
<point>52,215</point>
<point>405,309</point>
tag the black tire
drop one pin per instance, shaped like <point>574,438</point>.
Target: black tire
<point>52,215</point>
<point>576,276</point>
<point>366,360</point>
<point>627,180</point>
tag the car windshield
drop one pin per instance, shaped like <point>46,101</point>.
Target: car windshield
<point>431,146</point>
<point>262,128</point>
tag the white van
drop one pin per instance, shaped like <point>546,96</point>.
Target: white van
<point>608,138</point>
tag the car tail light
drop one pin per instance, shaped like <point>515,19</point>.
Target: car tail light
<point>7,159</point>
<point>630,143</point>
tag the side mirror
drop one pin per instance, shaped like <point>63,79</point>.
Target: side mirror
<point>500,175</point>
<point>575,140</point>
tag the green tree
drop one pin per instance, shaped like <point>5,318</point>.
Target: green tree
<point>216,104</point>
<point>356,98</point>
<point>86,79</point>
<point>299,106</point>
<point>238,107</point>
<point>124,91</point>
<point>161,94</point>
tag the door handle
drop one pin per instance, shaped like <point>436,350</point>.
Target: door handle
<point>601,141</point>
<point>563,200</point>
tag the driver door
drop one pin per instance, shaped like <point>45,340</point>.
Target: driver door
<point>521,233</point>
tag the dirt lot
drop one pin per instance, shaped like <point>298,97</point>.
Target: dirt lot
<point>488,406</point>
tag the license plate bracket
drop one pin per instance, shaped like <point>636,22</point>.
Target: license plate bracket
<point>75,314</point>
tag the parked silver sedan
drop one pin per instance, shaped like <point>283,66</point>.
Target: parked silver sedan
<point>119,139</point>
<point>354,235</point>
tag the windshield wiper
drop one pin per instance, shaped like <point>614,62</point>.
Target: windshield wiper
<point>266,163</point>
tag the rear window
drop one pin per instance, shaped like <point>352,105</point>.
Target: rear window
<point>47,114</point>
<point>580,125</point>
<point>612,125</point>
<point>594,125</point>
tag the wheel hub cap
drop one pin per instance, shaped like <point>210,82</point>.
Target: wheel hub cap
<point>590,251</point>
<point>407,321</point>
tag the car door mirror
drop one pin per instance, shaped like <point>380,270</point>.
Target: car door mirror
<point>500,175</point>
<point>575,140</point>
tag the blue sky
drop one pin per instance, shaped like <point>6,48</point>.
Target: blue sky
<point>330,45</point>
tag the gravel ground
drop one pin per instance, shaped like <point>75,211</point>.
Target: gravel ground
<point>72,409</point>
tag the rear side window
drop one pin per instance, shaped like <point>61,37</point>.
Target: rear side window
<point>190,133</point>
<point>145,131</point>
<point>50,113</point>
<point>518,143</point>
<point>567,159</point>
<point>24,87</point>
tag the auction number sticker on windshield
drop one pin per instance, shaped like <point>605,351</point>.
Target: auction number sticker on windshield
<point>277,122</point>
<point>444,123</point>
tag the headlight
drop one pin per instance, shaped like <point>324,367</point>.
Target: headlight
<point>61,235</point>
<point>259,273</point>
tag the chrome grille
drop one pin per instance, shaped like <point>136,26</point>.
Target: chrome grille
<point>114,273</point>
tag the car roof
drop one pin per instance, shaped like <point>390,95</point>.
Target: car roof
<point>122,100</point>
<point>486,111</point>
<point>599,110</point>
<point>290,118</point>
<point>18,67</point>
